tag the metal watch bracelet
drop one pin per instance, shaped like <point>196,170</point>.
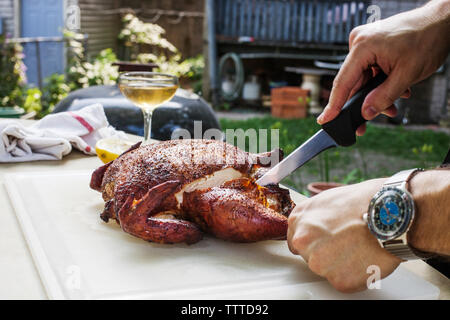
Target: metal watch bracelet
<point>399,246</point>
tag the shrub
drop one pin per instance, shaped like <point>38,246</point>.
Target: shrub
<point>33,100</point>
<point>136,33</point>
<point>12,74</point>
<point>55,90</point>
<point>82,73</point>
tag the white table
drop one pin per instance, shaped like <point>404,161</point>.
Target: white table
<point>18,276</point>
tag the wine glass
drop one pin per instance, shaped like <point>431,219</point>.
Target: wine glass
<point>148,90</point>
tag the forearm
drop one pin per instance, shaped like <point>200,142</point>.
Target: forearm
<point>439,10</point>
<point>437,16</point>
<point>430,231</point>
<point>432,22</point>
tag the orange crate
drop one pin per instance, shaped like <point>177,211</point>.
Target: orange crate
<point>288,110</point>
<point>288,93</point>
<point>289,102</point>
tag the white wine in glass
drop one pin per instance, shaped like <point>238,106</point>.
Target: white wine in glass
<point>148,90</point>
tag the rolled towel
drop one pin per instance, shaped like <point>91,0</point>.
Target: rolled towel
<point>53,137</point>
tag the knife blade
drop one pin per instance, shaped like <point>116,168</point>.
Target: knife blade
<point>338,132</point>
<point>308,150</point>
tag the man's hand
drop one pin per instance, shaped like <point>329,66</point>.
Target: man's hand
<point>408,47</point>
<point>328,231</point>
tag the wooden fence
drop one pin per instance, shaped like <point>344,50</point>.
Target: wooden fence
<point>289,20</point>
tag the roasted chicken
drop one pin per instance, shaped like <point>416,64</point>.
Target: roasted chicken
<point>174,191</point>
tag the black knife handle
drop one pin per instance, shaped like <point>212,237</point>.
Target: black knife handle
<point>343,128</point>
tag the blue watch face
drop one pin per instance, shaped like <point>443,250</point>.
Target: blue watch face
<point>390,213</point>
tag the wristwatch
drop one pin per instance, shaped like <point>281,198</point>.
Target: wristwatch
<point>391,213</point>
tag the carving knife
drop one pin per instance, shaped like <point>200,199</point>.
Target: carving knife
<point>341,131</point>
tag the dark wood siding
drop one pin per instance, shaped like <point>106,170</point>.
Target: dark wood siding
<point>101,26</point>
<point>185,34</point>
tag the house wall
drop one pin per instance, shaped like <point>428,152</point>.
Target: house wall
<point>187,34</point>
<point>101,26</point>
<point>102,22</point>
<point>7,15</point>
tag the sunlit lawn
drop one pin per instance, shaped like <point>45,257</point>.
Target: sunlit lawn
<point>382,151</point>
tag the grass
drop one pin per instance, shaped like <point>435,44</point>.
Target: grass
<point>382,151</point>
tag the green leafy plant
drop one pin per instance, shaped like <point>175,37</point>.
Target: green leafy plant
<point>55,90</point>
<point>423,153</point>
<point>135,31</point>
<point>223,107</point>
<point>33,100</point>
<point>75,59</point>
<point>137,36</point>
<point>12,73</point>
<point>353,176</point>
<point>101,70</point>
<point>82,73</point>
<point>324,167</point>
<point>196,67</point>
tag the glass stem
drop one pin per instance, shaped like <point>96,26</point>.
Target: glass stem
<point>147,125</point>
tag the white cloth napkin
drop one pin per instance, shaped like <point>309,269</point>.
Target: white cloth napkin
<point>53,137</point>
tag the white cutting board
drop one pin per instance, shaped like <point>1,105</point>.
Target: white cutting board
<point>78,256</point>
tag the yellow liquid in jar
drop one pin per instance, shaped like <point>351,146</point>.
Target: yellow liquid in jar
<point>148,97</point>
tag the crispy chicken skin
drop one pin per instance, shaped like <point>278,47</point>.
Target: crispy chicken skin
<point>232,215</point>
<point>174,191</point>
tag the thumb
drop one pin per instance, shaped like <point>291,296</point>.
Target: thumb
<point>382,97</point>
